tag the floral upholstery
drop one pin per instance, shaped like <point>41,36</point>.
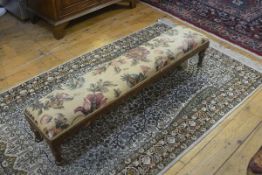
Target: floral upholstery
<point>78,98</point>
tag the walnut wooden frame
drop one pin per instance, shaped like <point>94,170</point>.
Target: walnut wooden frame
<point>56,142</point>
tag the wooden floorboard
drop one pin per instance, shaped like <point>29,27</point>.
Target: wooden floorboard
<point>213,153</point>
<point>237,163</point>
<point>27,50</point>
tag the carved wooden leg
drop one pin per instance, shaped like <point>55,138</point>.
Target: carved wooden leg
<point>38,137</point>
<point>56,150</point>
<point>201,56</point>
<point>132,4</point>
<point>59,30</point>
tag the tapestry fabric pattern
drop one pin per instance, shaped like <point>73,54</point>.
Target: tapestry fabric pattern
<point>142,135</point>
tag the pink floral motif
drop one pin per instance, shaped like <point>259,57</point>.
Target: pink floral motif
<point>161,62</point>
<point>91,102</point>
<point>60,125</point>
<point>188,45</point>
<point>45,119</point>
<point>52,132</point>
<point>138,54</point>
<point>56,101</point>
<point>116,64</point>
<point>190,42</point>
<point>145,69</point>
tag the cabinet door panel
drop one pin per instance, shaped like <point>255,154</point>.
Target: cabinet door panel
<point>66,3</point>
<point>71,7</point>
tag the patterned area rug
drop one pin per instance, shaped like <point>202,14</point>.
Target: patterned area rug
<point>237,21</point>
<point>141,136</point>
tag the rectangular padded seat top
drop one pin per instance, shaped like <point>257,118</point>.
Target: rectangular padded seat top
<point>63,108</point>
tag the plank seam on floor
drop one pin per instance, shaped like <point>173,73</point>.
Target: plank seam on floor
<point>239,145</point>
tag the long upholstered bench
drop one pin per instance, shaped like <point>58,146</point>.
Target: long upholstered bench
<point>76,103</point>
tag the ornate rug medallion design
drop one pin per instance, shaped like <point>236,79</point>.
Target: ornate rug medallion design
<point>238,7</point>
<point>142,135</point>
<point>237,21</point>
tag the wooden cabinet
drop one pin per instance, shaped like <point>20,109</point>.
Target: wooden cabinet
<point>59,12</point>
<point>71,7</point>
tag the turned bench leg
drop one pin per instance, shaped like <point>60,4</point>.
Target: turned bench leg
<point>132,4</point>
<point>201,56</point>
<point>59,30</point>
<point>56,151</point>
<point>38,137</point>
